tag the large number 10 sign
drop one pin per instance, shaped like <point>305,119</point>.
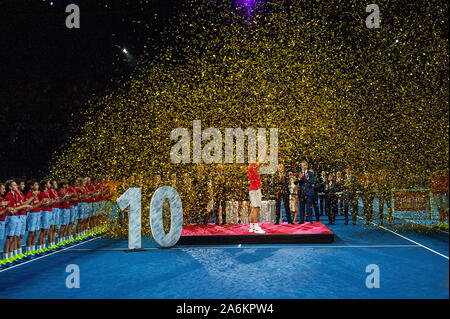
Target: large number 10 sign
<point>132,198</point>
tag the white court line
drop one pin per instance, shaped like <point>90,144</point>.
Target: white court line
<point>423,246</point>
<point>29,261</point>
<point>251,247</point>
<point>404,237</point>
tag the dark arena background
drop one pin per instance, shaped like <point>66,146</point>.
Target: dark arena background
<point>224,150</point>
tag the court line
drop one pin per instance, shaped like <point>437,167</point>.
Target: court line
<point>423,246</point>
<point>404,237</point>
<point>29,261</point>
<point>252,247</point>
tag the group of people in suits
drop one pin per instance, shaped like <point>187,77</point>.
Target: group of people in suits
<point>295,189</point>
<point>206,191</point>
<point>328,194</point>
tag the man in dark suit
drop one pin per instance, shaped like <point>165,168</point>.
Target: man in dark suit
<point>368,196</point>
<point>316,187</point>
<point>331,204</point>
<point>305,192</point>
<point>322,181</point>
<point>350,197</point>
<point>339,188</point>
<point>280,187</point>
<point>384,187</point>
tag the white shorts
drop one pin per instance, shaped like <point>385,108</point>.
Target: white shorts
<point>255,197</point>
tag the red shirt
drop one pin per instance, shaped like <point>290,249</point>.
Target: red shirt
<point>104,192</point>
<point>61,194</point>
<point>34,202</point>
<point>255,181</point>
<point>97,188</point>
<point>91,188</point>
<point>77,191</point>
<point>21,197</point>
<point>43,195</point>
<point>83,191</point>
<point>70,190</point>
<point>54,195</point>
<point>13,202</point>
<point>2,209</point>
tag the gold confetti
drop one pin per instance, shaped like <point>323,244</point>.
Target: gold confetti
<point>339,93</point>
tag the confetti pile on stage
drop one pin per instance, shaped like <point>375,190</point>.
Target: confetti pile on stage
<point>339,93</point>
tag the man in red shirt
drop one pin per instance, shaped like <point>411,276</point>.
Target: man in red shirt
<point>46,214</point>
<point>255,196</point>
<point>22,216</point>
<point>107,193</point>
<point>95,204</point>
<point>55,219</point>
<point>33,216</point>
<point>76,216</point>
<point>65,195</point>
<point>14,206</point>
<point>91,210</point>
<point>3,206</point>
<point>72,216</point>
<point>101,203</point>
<point>84,205</point>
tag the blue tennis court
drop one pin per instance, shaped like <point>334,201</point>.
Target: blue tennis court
<point>411,265</point>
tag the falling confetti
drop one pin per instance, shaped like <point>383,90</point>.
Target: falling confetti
<point>339,93</point>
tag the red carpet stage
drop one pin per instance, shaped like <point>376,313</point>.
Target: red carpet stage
<point>238,234</point>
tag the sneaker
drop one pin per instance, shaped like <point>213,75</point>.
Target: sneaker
<point>258,230</point>
<point>26,256</point>
<point>8,263</point>
<point>13,261</point>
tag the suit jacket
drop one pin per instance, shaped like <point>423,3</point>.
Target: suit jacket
<point>277,186</point>
<point>384,188</point>
<point>306,186</point>
<point>339,186</point>
<point>350,186</point>
<point>319,185</point>
<point>332,189</point>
